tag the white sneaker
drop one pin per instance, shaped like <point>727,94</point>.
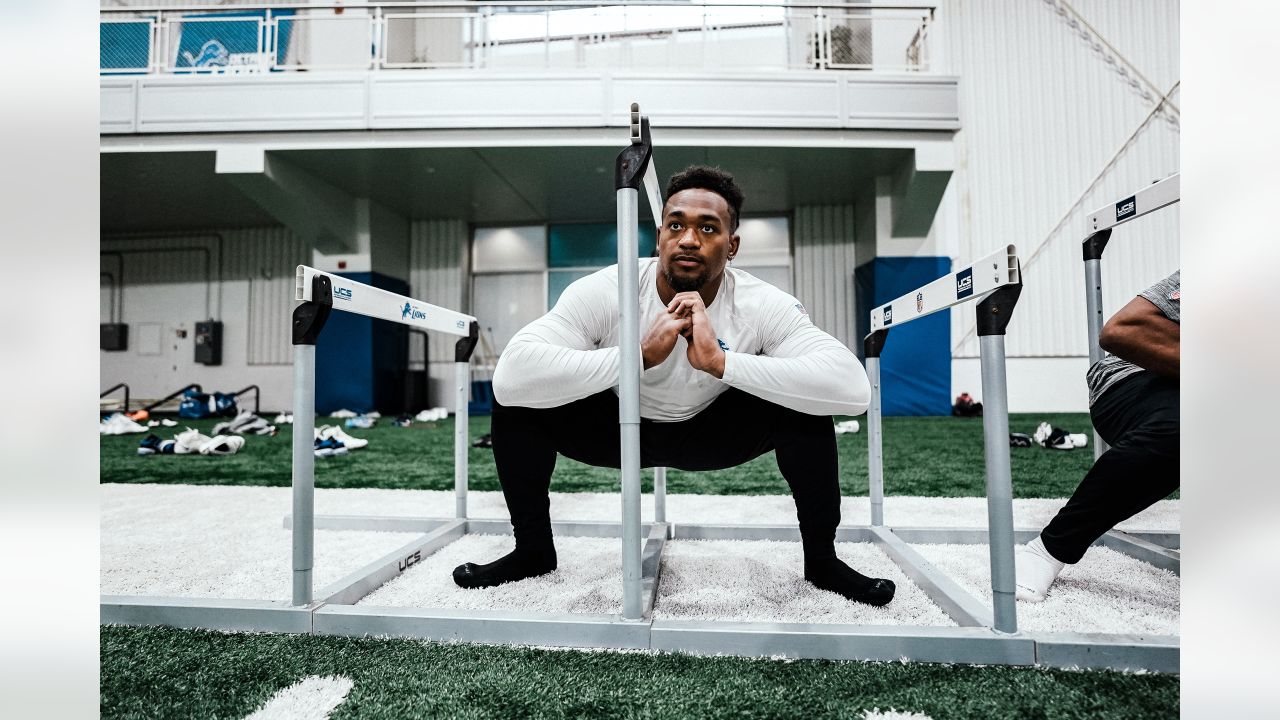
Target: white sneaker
<point>1035,570</point>
<point>333,431</point>
<point>119,424</point>
<point>1079,439</point>
<point>1042,433</point>
<point>189,442</point>
<point>222,445</point>
<point>848,426</point>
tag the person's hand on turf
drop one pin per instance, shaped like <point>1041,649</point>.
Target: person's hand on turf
<point>660,340</point>
<point>704,351</point>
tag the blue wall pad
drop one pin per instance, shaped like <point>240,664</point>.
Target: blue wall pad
<point>915,366</point>
<point>362,363</point>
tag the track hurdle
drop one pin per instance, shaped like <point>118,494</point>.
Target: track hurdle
<point>1144,202</point>
<point>994,283</point>
<point>320,293</point>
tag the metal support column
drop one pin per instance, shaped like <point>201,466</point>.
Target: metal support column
<point>872,345</point>
<point>308,321</point>
<point>629,171</point>
<point>1094,245</point>
<point>660,494</point>
<point>462,418</point>
<point>993,317</point>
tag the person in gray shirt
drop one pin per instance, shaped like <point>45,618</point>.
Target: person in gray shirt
<point>1133,402</point>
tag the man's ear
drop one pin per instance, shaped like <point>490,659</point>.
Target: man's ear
<point>733,246</point>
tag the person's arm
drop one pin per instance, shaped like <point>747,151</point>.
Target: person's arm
<point>1141,334</point>
<point>804,368</point>
<point>554,360</point>
<point>809,371</point>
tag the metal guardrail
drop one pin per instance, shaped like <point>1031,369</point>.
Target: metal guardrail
<point>250,38</point>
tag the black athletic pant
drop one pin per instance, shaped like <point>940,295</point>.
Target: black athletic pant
<point>1138,417</point>
<point>735,428</point>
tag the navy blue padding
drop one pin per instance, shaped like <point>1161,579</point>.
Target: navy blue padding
<point>361,363</point>
<point>915,366</point>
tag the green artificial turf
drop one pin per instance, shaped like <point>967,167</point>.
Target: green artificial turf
<point>164,672</point>
<point>927,456</point>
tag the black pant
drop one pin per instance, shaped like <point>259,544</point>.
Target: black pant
<point>1138,417</point>
<point>735,428</point>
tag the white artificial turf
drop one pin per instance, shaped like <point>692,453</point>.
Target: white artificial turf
<point>730,580</point>
<point>1106,591</point>
<point>230,542</point>
<point>763,581</point>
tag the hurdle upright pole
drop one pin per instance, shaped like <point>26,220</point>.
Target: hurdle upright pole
<point>993,318</point>
<point>462,417</point>
<point>1094,246</point>
<point>631,165</point>
<point>660,494</point>
<point>872,345</point>
<point>308,321</point>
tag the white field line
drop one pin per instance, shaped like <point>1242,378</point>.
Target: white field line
<point>311,698</point>
<point>891,714</point>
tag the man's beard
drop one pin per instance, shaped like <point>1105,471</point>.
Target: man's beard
<point>686,284</point>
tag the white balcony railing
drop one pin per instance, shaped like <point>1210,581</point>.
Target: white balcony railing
<point>645,34</point>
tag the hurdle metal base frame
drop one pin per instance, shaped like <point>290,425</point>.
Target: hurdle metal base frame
<point>972,641</point>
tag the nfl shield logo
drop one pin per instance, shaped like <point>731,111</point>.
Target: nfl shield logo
<point>919,302</point>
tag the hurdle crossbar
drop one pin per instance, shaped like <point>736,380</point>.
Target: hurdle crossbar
<point>1149,199</point>
<point>994,282</point>
<point>320,293</point>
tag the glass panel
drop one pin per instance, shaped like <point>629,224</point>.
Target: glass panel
<point>592,244</point>
<point>558,280</point>
<point>124,45</point>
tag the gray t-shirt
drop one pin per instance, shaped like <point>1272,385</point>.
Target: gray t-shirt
<point>1165,295</point>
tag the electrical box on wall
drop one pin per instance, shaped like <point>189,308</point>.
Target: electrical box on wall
<point>209,343</point>
<point>113,336</point>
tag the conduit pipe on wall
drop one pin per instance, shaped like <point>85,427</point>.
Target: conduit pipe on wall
<point>212,310</point>
<point>111,287</point>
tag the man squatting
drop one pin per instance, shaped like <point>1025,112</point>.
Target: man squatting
<point>732,368</point>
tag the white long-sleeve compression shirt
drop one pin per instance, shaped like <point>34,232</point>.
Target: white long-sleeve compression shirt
<point>772,350</point>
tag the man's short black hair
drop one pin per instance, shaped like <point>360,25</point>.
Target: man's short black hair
<point>714,179</point>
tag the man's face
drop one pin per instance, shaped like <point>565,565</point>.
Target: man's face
<point>696,239</point>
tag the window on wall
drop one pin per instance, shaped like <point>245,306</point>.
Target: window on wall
<point>576,250</point>
<point>510,267</point>
<point>765,250</point>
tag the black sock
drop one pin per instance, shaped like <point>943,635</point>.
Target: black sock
<point>516,565</point>
<point>831,573</point>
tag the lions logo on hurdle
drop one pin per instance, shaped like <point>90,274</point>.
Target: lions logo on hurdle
<point>409,312</point>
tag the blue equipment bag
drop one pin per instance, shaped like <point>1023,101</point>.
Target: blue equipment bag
<point>198,405</point>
